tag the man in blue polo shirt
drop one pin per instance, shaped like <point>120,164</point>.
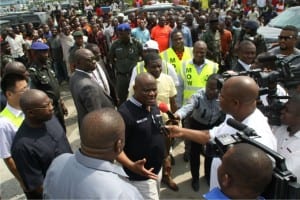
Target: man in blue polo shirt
<point>244,173</point>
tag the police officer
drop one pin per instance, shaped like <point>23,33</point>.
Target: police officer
<point>124,54</point>
<point>43,78</point>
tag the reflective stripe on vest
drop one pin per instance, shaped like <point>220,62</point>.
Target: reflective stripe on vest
<point>171,57</point>
<point>17,121</point>
<point>140,67</point>
<point>194,81</point>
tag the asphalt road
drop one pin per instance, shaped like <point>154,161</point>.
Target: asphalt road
<point>10,189</point>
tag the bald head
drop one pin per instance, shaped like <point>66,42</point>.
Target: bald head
<point>145,89</point>
<point>143,78</point>
<point>102,133</point>
<point>85,60</point>
<point>31,99</point>
<point>200,44</point>
<point>242,88</point>
<point>15,68</point>
<point>248,169</point>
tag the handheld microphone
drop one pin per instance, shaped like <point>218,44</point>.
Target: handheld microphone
<point>163,107</point>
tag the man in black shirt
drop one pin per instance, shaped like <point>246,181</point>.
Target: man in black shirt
<point>144,142</point>
<point>38,141</point>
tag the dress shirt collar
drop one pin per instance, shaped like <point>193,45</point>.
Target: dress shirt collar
<point>245,66</point>
<point>15,111</point>
<point>88,73</point>
<point>198,66</point>
<point>97,164</point>
<point>297,134</point>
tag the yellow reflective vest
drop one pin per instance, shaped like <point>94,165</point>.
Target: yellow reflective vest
<point>171,57</point>
<point>194,80</point>
<point>15,120</point>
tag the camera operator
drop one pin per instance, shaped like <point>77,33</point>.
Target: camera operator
<point>238,174</point>
<point>288,135</point>
<point>274,89</point>
<point>287,41</point>
<point>238,100</point>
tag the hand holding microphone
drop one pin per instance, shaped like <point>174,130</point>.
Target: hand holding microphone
<point>163,107</point>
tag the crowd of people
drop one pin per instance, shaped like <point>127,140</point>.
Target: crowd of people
<point>119,70</point>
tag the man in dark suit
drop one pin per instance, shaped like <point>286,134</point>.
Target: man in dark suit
<point>101,73</point>
<point>87,94</point>
<point>246,56</point>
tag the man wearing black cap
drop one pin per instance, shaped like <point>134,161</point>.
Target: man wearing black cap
<point>212,38</point>
<point>124,54</point>
<point>250,33</point>
<point>43,78</point>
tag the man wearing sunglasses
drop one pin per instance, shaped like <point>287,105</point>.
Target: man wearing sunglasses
<point>287,41</point>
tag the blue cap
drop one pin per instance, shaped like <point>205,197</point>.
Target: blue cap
<point>252,25</point>
<point>39,46</point>
<point>124,27</point>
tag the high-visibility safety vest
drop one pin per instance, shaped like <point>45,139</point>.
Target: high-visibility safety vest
<point>140,67</point>
<point>15,120</point>
<point>193,80</point>
<point>170,56</point>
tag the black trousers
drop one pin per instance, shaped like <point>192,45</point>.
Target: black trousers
<point>196,150</point>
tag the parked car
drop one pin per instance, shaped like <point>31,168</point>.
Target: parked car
<point>19,18</point>
<point>158,7</point>
<point>290,16</point>
<point>4,24</point>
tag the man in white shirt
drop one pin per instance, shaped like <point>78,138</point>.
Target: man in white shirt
<point>288,135</point>
<point>17,46</point>
<point>13,86</point>
<point>238,100</point>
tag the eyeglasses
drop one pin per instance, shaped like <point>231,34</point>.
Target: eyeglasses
<point>281,37</point>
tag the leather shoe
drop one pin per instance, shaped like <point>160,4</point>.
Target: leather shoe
<point>195,185</point>
<point>166,179</point>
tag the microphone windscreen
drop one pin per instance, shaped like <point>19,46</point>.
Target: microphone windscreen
<point>163,107</point>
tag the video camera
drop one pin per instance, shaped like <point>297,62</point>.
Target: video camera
<point>283,72</point>
<point>284,184</point>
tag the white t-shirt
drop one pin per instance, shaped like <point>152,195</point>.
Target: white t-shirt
<point>289,147</point>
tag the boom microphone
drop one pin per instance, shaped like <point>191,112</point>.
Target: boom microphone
<point>163,107</point>
<point>250,132</point>
<point>235,124</point>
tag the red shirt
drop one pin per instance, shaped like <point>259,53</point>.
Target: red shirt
<point>161,36</point>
